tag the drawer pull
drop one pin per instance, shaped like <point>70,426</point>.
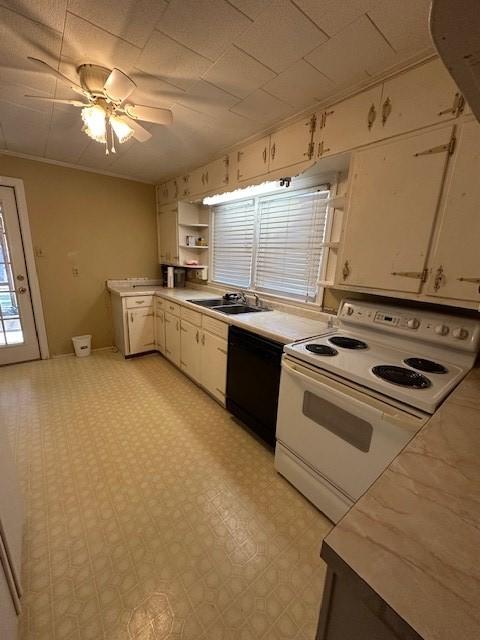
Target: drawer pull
<point>473,280</point>
<point>139,301</point>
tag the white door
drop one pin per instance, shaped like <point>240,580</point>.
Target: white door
<point>141,331</point>
<point>196,181</point>
<point>160,330</point>
<point>391,211</point>
<point>349,124</point>
<point>291,145</point>
<point>190,349</point>
<point>216,174</point>
<point>213,365</point>
<point>252,160</point>
<point>455,262</point>
<point>18,336</point>
<point>172,338</point>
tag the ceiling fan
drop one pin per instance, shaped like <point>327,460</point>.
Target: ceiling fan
<point>105,112</point>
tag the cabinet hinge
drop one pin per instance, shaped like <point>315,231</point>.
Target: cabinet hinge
<point>309,152</point>
<point>452,145</point>
<point>449,148</point>
<point>420,275</point>
<point>312,123</point>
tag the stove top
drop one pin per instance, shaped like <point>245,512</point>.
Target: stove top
<point>413,359</point>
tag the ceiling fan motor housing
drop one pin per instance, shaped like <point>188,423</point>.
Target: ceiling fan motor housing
<point>93,78</point>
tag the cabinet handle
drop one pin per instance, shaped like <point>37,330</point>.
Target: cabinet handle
<point>321,149</point>
<point>206,177</point>
<point>372,114</point>
<point>220,391</point>
<point>131,317</point>
<point>139,301</point>
<point>386,110</point>
<point>264,155</point>
<point>473,280</point>
<point>346,270</point>
<point>203,339</point>
<point>183,329</point>
<point>203,178</point>
<point>273,150</point>
<point>439,278</point>
<point>177,325</point>
<point>197,338</point>
<point>222,350</point>
<point>239,155</point>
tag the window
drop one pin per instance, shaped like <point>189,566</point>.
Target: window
<point>272,243</point>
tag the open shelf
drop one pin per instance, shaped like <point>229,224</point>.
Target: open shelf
<point>336,202</point>
<point>189,246</point>
<point>196,225</point>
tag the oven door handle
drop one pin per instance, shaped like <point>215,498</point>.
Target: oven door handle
<point>358,398</point>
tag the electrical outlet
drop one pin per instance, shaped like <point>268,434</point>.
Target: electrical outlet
<point>75,272</point>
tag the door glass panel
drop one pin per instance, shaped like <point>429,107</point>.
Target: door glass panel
<point>351,428</point>
<point>10,322</point>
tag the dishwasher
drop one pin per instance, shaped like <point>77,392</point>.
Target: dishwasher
<point>253,381</point>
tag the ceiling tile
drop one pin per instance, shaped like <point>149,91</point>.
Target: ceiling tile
<point>300,85</point>
<point>280,36</point>
<point>21,37</point>
<point>348,56</point>
<point>171,61</point>
<point>262,107</point>
<point>66,141</point>
<point>15,94</point>
<point>404,23</point>
<point>331,15</point>
<point>51,13</point>
<point>153,91</point>
<point>208,98</point>
<point>238,73</point>
<point>83,42</point>
<point>132,20</point>
<point>206,26</point>
<point>25,130</point>
<point>251,8</point>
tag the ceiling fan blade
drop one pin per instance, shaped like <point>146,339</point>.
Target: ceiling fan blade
<point>149,114</point>
<point>139,133</point>
<point>118,86</point>
<point>75,103</point>
<point>46,68</point>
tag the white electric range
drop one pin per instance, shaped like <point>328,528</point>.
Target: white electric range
<point>352,398</point>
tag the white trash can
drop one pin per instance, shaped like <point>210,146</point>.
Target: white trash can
<point>82,345</point>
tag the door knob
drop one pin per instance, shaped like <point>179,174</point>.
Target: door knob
<point>22,290</point>
<point>20,277</point>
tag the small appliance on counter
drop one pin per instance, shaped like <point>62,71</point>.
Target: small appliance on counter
<point>173,277</point>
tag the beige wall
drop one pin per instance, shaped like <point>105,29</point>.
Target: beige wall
<point>103,226</point>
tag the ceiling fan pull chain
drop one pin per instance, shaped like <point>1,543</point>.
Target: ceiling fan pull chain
<point>112,133</point>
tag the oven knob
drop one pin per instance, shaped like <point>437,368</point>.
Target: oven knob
<point>460,333</point>
<point>349,311</point>
<point>441,329</point>
<point>413,323</point>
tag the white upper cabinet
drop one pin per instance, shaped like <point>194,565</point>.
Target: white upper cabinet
<point>292,145</point>
<point>252,160</point>
<point>348,124</point>
<point>393,200</point>
<point>215,174</point>
<point>455,262</point>
<point>167,232</point>
<point>167,192</point>
<point>196,182</point>
<point>423,96</point>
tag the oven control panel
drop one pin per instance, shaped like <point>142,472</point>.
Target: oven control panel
<point>449,330</point>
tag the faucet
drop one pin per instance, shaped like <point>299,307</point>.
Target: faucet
<point>258,302</point>
<point>242,295</point>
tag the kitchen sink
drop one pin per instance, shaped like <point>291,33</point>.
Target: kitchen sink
<point>233,309</point>
<point>212,302</point>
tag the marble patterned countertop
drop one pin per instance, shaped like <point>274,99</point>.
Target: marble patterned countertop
<point>414,537</point>
<point>277,325</point>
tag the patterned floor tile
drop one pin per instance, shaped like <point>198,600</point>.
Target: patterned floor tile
<point>151,514</point>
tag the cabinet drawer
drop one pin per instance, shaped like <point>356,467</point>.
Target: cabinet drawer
<point>216,327</point>
<point>191,316</point>
<point>133,302</point>
<point>171,307</point>
<point>160,304</point>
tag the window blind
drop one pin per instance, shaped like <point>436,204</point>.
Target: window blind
<point>289,247</point>
<point>233,232</point>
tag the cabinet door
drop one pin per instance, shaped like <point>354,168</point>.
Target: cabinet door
<point>160,330</point>
<point>252,160</point>
<point>291,145</point>
<point>172,190</point>
<point>216,174</point>
<point>196,181</point>
<point>172,338</point>
<point>141,331</point>
<point>392,204</point>
<point>455,261</point>
<point>349,124</point>
<point>167,235</point>
<point>213,365</point>
<point>190,349</point>
<point>418,98</point>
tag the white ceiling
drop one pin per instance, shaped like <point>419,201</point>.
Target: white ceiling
<point>227,68</point>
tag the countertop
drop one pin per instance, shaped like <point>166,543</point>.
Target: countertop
<point>276,325</point>
<point>414,537</point>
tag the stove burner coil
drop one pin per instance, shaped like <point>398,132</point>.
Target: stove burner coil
<point>425,365</point>
<point>401,376</point>
<point>348,343</point>
<point>321,349</point>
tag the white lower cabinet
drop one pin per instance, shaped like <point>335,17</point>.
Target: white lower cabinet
<point>213,365</point>
<point>141,330</point>
<point>160,330</point>
<point>172,338</point>
<point>190,349</point>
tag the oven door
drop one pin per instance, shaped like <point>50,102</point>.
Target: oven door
<point>346,436</point>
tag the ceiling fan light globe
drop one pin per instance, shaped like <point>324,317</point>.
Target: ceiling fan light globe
<point>95,124</point>
<point>121,128</point>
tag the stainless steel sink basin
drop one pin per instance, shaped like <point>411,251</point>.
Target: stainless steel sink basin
<point>233,309</point>
<point>212,302</point>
